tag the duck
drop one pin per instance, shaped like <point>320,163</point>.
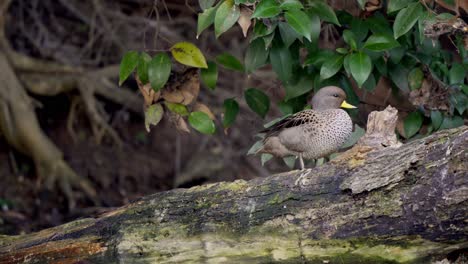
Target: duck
<point>313,133</point>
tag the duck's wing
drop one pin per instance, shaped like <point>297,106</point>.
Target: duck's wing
<point>298,119</point>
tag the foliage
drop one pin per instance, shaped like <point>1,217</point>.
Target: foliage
<point>386,42</point>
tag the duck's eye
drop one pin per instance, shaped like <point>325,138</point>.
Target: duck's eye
<point>335,95</point>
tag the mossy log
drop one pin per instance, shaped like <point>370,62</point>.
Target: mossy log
<point>393,204</point>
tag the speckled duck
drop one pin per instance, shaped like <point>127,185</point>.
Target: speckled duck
<point>314,133</point>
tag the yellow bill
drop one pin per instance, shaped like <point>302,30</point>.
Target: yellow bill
<point>346,105</point>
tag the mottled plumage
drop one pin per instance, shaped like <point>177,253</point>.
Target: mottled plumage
<point>311,134</point>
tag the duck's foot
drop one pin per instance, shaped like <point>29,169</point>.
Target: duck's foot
<point>302,175</point>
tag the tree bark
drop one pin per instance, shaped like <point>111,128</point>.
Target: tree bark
<point>390,204</point>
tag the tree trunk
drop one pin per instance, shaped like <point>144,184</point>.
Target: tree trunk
<point>381,204</point>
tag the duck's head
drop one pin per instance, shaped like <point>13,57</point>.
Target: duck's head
<point>330,97</point>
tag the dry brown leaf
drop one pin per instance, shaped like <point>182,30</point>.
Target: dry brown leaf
<point>203,108</point>
<point>244,20</point>
<point>149,95</point>
<point>183,89</point>
<point>179,122</point>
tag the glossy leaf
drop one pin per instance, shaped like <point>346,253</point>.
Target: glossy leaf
<point>300,22</point>
<point>281,61</point>
<point>205,4</point>
<point>288,34</point>
<point>256,55</point>
<point>188,54</point>
<point>153,114</point>
<point>179,109</point>
<point>266,9</point>
<point>381,43</point>
<point>209,76</point>
<point>360,65</point>
<point>258,101</point>
<point>229,62</point>
<point>324,11</point>
<point>457,73</point>
<point>201,122</point>
<point>159,69</point>
<point>350,38</point>
<point>415,78</point>
<point>395,5</point>
<point>142,68</point>
<point>436,119</point>
<point>331,66</point>
<point>127,65</point>
<point>226,16</point>
<point>406,19</point>
<point>291,4</point>
<point>412,124</point>
<point>451,122</point>
<point>359,28</point>
<point>231,109</point>
<point>205,19</point>
<point>302,86</point>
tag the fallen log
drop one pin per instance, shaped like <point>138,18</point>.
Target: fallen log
<point>376,203</point>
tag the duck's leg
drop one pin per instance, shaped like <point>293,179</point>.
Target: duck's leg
<point>301,161</point>
<point>304,172</point>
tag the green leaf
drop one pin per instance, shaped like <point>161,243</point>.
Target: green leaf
<point>360,65</point>
<point>359,28</point>
<point>229,62</point>
<point>256,55</point>
<point>291,4</point>
<point>415,78</point>
<point>451,122</point>
<point>412,124</point>
<point>261,30</point>
<point>379,25</point>
<point>188,54</point>
<point>319,57</point>
<point>370,83</point>
<point>265,157</point>
<point>268,39</point>
<point>406,19</point>
<point>281,61</point>
<point>159,69</point>
<point>205,19</point>
<point>436,119</point>
<point>209,76</point>
<point>231,109</point>
<point>324,11</point>
<point>457,73</point>
<point>459,100</point>
<point>257,101</point>
<point>142,68</point>
<point>153,114</point>
<point>399,75</point>
<point>381,43</point>
<point>290,161</point>
<point>205,4</point>
<point>288,34</point>
<point>179,109</point>
<point>266,9</point>
<point>226,16</point>
<point>331,66</point>
<point>395,5</point>
<point>381,66</point>
<point>350,38</point>
<point>128,64</point>
<point>255,147</point>
<point>464,88</point>
<point>314,28</point>
<point>201,122</point>
<point>302,86</point>
<point>300,22</point>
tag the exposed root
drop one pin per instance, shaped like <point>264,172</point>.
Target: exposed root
<point>96,114</point>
